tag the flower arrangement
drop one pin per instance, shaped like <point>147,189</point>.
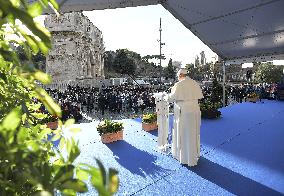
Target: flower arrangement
<point>252,95</point>
<point>110,131</point>
<point>134,116</point>
<point>149,118</point>
<point>149,122</point>
<point>210,106</point>
<point>109,126</point>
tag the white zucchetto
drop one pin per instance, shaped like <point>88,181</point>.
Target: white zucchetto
<point>182,71</point>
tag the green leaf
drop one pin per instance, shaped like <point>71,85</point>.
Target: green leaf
<point>97,180</point>
<point>22,134</point>
<point>43,47</point>
<point>32,43</point>
<point>54,4</point>
<point>56,137</point>
<point>75,184</point>
<point>82,174</point>
<point>42,77</point>
<point>75,130</point>
<point>33,145</point>
<point>113,181</point>
<point>27,50</point>
<point>29,22</point>
<point>68,146</point>
<point>15,3</point>
<point>74,151</point>
<point>42,193</point>
<point>64,173</point>
<point>35,9</point>
<point>102,169</point>
<point>62,143</point>
<point>12,120</point>
<point>57,164</point>
<point>69,122</point>
<point>46,174</point>
<point>48,102</point>
<point>69,192</point>
<point>44,2</point>
<point>3,77</point>
<point>60,124</point>
<point>43,133</point>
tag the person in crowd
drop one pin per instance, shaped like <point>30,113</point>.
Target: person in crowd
<point>102,103</point>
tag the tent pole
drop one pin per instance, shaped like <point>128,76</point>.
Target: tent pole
<point>224,81</point>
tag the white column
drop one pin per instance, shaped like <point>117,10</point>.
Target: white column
<point>224,83</point>
<point>162,109</point>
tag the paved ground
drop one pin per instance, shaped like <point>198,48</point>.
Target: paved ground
<point>242,154</point>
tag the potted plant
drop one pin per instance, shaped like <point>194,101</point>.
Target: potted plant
<point>110,131</point>
<point>149,122</point>
<point>51,121</point>
<point>210,110</point>
<point>252,97</point>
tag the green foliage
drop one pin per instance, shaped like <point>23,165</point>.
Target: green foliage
<point>124,63</point>
<point>13,90</point>
<point>141,65</point>
<point>109,57</point>
<point>169,71</point>
<point>108,126</point>
<point>38,59</point>
<point>48,118</point>
<point>194,72</point>
<point>210,106</point>
<point>29,163</point>
<point>217,92</point>
<point>199,73</point>
<point>269,73</point>
<point>147,57</point>
<point>210,110</point>
<point>106,182</point>
<point>149,118</point>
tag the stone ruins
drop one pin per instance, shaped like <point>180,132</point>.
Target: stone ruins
<point>76,56</point>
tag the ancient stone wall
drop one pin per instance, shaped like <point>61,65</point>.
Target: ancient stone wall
<point>77,50</point>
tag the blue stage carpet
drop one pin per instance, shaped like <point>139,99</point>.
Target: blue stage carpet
<point>242,154</point>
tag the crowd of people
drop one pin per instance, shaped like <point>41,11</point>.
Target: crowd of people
<point>127,100</point>
<point>264,91</point>
<point>114,100</point>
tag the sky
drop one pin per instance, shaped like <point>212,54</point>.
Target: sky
<point>137,29</point>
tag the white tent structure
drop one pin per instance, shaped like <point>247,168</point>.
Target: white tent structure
<point>238,31</point>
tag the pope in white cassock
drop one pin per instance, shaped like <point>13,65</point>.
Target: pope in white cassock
<point>187,119</point>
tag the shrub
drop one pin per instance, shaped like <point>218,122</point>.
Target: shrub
<point>210,110</point>
<point>210,106</point>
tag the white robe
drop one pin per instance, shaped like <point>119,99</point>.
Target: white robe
<point>187,121</point>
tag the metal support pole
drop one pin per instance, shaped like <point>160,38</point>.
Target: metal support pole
<point>224,84</point>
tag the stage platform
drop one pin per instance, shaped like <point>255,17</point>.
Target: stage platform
<point>242,153</point>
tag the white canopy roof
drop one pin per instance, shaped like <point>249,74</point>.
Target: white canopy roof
<point>237,30</point>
